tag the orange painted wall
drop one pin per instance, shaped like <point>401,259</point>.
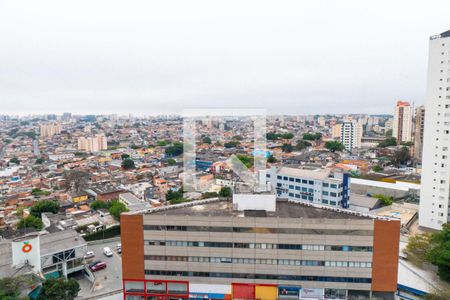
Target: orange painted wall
<point>132,236</point>
<point>386,241</point>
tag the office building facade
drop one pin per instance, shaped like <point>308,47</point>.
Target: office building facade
<point>208,250</point>
<point>434,195</point>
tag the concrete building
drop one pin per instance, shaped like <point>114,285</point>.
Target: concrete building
<point>133,203</point>
<point>350,134</point>
<point>402,125</point>
<point>321,121</point>
<point>50,129</point>
<point>312,186</point>
<point>435,196</point>
<point>207,249</point>
<point>93,144</point>
<point>419,124</point>
<point>60,253</point>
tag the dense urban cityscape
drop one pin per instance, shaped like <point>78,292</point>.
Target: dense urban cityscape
<point>236,202</point>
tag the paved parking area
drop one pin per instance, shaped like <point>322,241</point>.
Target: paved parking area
<point>106,280</point>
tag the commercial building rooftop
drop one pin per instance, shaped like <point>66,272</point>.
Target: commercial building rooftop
<point>50,243</point>
<point>310,174</point>
<point>284,209</point>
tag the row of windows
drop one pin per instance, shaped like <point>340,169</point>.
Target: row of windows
<point>310,182</point>
<point>260,246</point>
<point>257,276</point>
<point>262,261</point>
<point>258,230</point>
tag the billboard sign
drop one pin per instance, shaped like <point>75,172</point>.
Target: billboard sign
<point>288,292</point>
<point>26,251</point>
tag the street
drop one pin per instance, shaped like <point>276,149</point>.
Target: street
<point>106,280</point>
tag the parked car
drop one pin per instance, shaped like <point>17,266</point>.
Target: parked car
<point>94,263</point>
<point>99,266</point>
<point>89,254</point>
<point>119,248</point>
<point>107,251</point>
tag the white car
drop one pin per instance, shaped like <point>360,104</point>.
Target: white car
<point>107,251</point>
<point>89,254</point>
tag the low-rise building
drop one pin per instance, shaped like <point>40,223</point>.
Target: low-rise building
<point>320,186</point>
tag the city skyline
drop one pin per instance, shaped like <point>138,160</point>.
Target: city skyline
<point>162,58</point>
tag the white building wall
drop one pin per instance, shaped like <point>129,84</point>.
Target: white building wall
<point>434,196</point>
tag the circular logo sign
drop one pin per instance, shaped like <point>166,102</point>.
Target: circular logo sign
<point>27,247</point>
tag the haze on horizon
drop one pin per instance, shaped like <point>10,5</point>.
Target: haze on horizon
<point>141,57</point>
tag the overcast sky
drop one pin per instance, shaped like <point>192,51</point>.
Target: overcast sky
<point>151,57</point>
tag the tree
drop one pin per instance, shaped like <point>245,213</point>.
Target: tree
<point>271,136</point>
<point>287,148</point>
<point>377,168</point>
<point>77,179</point>
<point>225,192</point>
<point>246,160</point>
<point>98,204</point>
<point>312,136</point>
<point>10,287</point>
<point>39,192</point>
<point>44,206</point>
<point>401,156</point>
<point>175,149</point>
<point>271,159</point>
<point>439,255</point>
<point>128,164</point>
<point>287,136</point>
<point>30,221</point>
<point>206,140</point>
<point>301,145</point>
<point>39,161</point>
<point>124,156</point>
<point>334,146</point>
<point>385,200</point>
<point>433,248</point>
<point>231,144</point>
<point>117,208</point>
<point>171,162</point>
<point>15,160</point>
<point>389,133</point>
<point>162,143</point>
<point>59,289</point>
<point>388,142</point>
<point>418,248</point>
<point>275,136</point>
<point>175,197</point>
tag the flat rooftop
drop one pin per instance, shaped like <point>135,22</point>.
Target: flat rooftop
<point>284,209</point>
<point>318,174</point>
<point>50,243</point>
